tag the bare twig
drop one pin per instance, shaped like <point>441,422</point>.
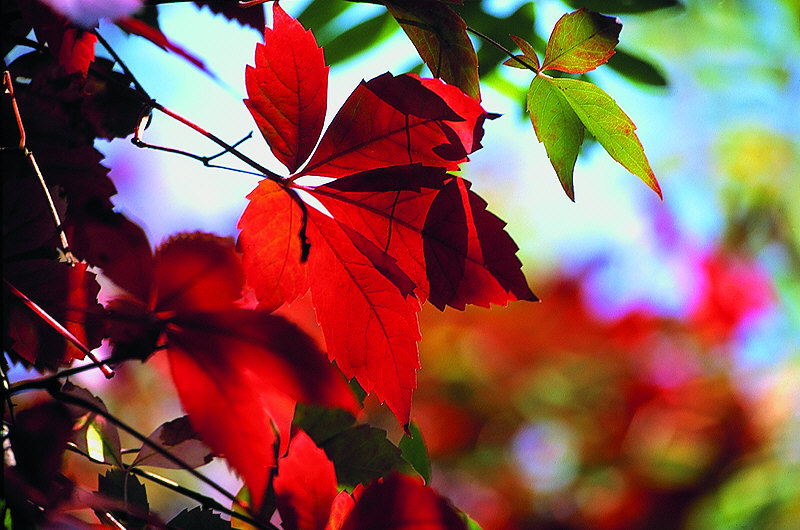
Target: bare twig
<point>56,325</point>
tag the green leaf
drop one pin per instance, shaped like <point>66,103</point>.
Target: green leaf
<point>321,423</point>
<point>93,434</point>
<point>624,6</point>
<point>415,453</point>
<point>637,69</point>
<point>609,124</point>
<point>440,37</point>
<point>557,127</point>
<point>470,522</point>
<point>117,484</point>
<point>198,517</point>
<point>362,454</point>
<point>358,38</point>
<point>528,56</point>
<point>581,41</point>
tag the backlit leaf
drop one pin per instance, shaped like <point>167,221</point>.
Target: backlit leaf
<point>610,125</point>
<point>305,486</point>
<point>394,120</point>
<point>440,37</point>
<point>381,351</point>
<point>557,127</point>
<point>270,245</point>
<point>581,41</point>
<point>528,56</point>
<point>415,453</point>
<point>239,374</point>
<point>287,89</point>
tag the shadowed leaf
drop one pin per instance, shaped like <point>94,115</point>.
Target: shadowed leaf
<point>179,438</point>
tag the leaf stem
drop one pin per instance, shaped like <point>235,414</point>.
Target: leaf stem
<point>88,405</point>
<point>56,325</point>
<point>205,501</point>
<point>42,383</point>
<point>501,48</point>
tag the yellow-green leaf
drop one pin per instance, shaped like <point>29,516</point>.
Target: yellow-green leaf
<point>608,123</point>
<point>557,127</point>
<point>581,41</point>
<point>527,50</point>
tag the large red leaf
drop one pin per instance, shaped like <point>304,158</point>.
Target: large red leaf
<point>288,89</point>
<point>370,328</point>
<point>388,207</point>
<point>400,502</point>
<point>470,258</point>
<point>270,245</point>
<point>398,120</point>
<point>197,272</point>
<point>305,487</point>
<point>239,374</point>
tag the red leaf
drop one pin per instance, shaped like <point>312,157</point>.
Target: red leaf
<point>399,120</point>
<point>370,328</point>
<point>238,373</point>
<point>305,487</point>
<point>197,272</point>
<point>71,46</point>
<point>154,35</point>
<point>69,295</point>
<point>400,502</point>
<point>340,509</point>
<point>288,89</point>
<point>271,247</point>
<point>388,206</point>
<point>469,258</point>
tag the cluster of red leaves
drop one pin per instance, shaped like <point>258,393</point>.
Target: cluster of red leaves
<point>390,231</point>
<point>397,228</point>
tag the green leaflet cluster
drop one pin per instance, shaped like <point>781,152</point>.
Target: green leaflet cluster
<point>561,109</point>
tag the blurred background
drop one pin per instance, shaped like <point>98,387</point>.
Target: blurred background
<point>656,384</point>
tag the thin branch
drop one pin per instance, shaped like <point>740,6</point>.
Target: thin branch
<point>205,501</point>
<point>42,383</point>
<point>501,48</point>
<point>88,405</point>
<point>121,63</point>
<point>29,155</point>
<point>56,325</point>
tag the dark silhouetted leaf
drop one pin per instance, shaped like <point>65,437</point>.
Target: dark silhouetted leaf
<point>637,69</point>
<point>198,517</point>
<point>179,438</point>
<point>246,16</point>
<point>117,484</point>
<point>402,503</point>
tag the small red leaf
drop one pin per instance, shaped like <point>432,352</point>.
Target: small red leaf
<point>197,272</point>
<point>400,502</point>
<point>154,35</point>
<point>71,46</point>
<point>383,124</point>
<point>470,258</point>
<point>239,374</point>
<point>305,487</point>
<point>288,89</point>
<point>340,509</point>
<point>370,328</point>
<point>270,246</point>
